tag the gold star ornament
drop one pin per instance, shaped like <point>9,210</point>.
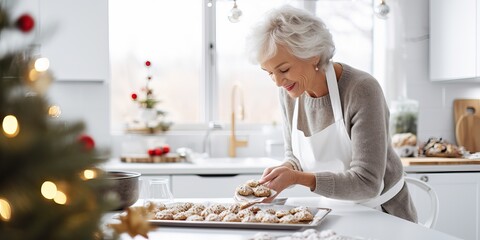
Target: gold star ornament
<point>134,222</point>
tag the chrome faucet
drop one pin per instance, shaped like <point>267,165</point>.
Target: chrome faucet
<point>234,142</point>
<point>212,126</point>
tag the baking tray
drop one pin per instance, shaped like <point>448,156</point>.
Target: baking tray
<point>319,215</point>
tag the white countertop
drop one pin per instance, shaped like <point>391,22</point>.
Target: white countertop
<point>225,166</point>
<point>345,219</point>
<point>200,166</point>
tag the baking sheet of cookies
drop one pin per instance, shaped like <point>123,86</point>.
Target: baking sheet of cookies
<point>319,215</point>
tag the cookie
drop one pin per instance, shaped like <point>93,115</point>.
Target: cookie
<point>213,218</point>
<point>244,190</point>
<point>289,219</point>
<point>181,216</point>
<point>195,218</point>
<point>252,183</point>
<point>234,208</point>
<point>250,218</point>
<point>261,191</point>
<point>298,209</point>
<point>269,218</point>
<point>154,206</point>
<point>282,213</point>
<point>231,217</point>
<point>244,213</point>
<point>303,216</point>
<point>164,215</point>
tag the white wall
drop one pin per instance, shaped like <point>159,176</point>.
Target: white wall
<point>435,98</point>
<point>89,101</point>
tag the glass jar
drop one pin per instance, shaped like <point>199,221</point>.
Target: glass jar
<point>404,116</point>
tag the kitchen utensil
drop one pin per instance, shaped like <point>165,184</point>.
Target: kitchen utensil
<point>124,185</point>
<point>467,123</point>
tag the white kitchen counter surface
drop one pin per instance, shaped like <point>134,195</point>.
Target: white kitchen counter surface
<point>204,166</point>
<point>345,219</point>
<point>247,166</point>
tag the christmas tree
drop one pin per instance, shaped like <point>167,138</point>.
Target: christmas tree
<point>49,186</point>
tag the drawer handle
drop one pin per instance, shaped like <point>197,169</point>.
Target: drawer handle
<point>424,178</point>
<point>216,175</point>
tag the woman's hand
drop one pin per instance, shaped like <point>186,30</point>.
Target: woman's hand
<point>278,178</point>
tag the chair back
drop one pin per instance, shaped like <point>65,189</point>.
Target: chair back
<point>433,201</point>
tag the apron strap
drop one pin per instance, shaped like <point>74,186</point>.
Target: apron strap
<point>383,198</point>
<point>333,91</point>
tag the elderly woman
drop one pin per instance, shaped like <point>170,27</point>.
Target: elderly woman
<point>335,117</point>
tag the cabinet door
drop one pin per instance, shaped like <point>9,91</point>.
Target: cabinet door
<point>453,39</point>
<point>74,37</point>
<point>208,186</point>
<point>458,195</point>
<point>297,191</point>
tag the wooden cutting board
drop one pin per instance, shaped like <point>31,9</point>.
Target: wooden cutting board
<point>467,123</point>
<point>438,161</point>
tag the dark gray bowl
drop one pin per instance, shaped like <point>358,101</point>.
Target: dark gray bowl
<point>125,186</point>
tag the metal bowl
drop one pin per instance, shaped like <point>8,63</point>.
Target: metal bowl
<point>124,186</point>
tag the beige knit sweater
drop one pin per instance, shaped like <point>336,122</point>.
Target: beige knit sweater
<point>366,117</point>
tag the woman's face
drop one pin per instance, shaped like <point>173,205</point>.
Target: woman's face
<point>294,74</point>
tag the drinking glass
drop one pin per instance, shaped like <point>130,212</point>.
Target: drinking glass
<point>158,191</point>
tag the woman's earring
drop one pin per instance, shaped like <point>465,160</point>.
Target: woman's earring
<point>316,68</point>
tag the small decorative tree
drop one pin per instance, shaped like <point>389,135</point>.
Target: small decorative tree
<point>151,118</point>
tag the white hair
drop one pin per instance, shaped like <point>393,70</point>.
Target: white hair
<point>304,35</point>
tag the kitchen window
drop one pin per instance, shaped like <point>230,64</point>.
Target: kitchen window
<point>197,56</point>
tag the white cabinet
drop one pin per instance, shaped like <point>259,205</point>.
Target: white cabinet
<point>74,37</point>
<point>459,200</point>
<point>222,186</point>
<point>208,186</point>
<point>454,39</point>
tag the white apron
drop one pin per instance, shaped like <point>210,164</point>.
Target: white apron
<point>331,148</point>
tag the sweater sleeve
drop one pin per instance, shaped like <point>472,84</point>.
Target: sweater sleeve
<point>366,118</point>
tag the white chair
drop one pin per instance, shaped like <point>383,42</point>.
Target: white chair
<point>434,204</point>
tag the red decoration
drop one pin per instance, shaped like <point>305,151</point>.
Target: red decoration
<point>25,23</point>
<point>87,141</point>
<point>166,149</point>
<point>134,96</point>
<point>148,63</point>
<point>158,151</point>
<point>151,152</point>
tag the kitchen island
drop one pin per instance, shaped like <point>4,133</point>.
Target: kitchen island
<point>457,185</point>
<point>345,219</point>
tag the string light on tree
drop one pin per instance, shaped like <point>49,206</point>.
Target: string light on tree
<point>39,78</point>
<point>5,210</point>
<point>10,126</point>
<point>60,198</point>
<point>89,174</point>
<point>54,111</point>
<point>48,190</point>
<point>42,64</point>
